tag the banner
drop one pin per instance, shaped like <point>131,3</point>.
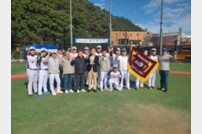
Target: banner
<point>82,40</point>
<point>140,65</point>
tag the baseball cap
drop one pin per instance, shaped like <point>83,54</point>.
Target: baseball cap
<point>74,48</point>
<point>115,66</point>
<point>118,49</point>
<point>53,51</point>
<point>99,46</point>
<point>164,49</point>
<point>32,48</point>
<point>43,49</point>
<point>123,49</point>
<point>86,48</point>
<point>153,49</point>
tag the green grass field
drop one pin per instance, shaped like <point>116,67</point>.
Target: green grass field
<point>132,111</point>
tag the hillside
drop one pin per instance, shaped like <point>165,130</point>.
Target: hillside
<point>47,22</point>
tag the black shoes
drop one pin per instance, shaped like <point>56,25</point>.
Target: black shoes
<point>31,95</point>
<point>95,90</point>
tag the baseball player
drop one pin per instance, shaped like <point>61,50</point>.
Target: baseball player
<point>139,83</point>
<point>43,72</point>
<point>74,53</point>
<point>86,55</point>
<point>31,69</point>
<point>115,78</point>
<point>60,57</point>
<point>124,69</point>
<point>152,78</point>
<point>54,73</point>
<point>99,54</point>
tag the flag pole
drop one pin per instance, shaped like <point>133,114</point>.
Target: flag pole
<point>161,27</point>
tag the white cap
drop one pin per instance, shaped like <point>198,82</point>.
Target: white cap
<point>99,46</point>
<point>53,51</point>
<point>74,47</point>
<point>115,66</point>
<point>32,48</point>
<point>118,49</point>
<point>153,49</point>
<point>86,48</point>
<point>43,49</point>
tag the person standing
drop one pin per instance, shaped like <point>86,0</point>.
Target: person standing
<point>80,70</point>
<point>104,62</point>
<point>74,54</point>
<point>152,78</point>
<point>164,68</point>
<point>68,71</point>
<point>124,68</point>
<point>54,73</point>
<point>86,55</point>
<point>60,57</point>
<point>43,72</point>
<point>99,54</point>
<point>92,70</point>
<point>115,59</point>
<point>138,82</point>
<point>31,69</point>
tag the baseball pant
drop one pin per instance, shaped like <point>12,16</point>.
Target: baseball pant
<point>32,78</point>
<point>51,82</point>
<point>67,81</point>
<point>43,77</point>
<point>115,84</point>
<point>152,79</point>
<point>91,75</point>
<point>125,75</point>
<point>103,77</point>
<point>139,83</point>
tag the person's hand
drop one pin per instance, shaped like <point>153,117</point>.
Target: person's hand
<point>119,85</point>
<point>93,63</point>
<point>49,53</point>
<point>73,58</point>
<point>87,57</point>
<point>41,54</point>
<point>63,60</point>
<point>26,48</point>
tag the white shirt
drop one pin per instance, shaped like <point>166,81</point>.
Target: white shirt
<point>116,76</point>
<point>123,63</point>
<point>74,55</point>
<point>43,63</point>
<point>154,57</point>
<point>84,55</point>
<point>98,54</point>
<point>32,61</point>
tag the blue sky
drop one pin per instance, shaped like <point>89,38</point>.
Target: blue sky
<point>146,13</point>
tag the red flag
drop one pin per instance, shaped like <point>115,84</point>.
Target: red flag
<point>141,66</point>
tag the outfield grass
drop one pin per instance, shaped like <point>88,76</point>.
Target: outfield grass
<point>18,68</point>
<point>126,112</point>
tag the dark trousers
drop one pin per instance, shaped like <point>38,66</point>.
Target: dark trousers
<point>67,81</point>
<point>164,78</point>
<point>80,81</point>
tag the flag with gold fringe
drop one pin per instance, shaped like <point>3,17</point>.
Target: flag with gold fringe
<point>141,66</point>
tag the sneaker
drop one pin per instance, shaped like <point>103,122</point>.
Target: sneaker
<point>31,95</point>
<point>41,95</point>
<point>101,90</point>
<point>54,94</point>
<point>77,91</point>
<point>66,92</point>
<point>59,92</point>
<point>110,90</point>
<point>47,92</point>
<point>163,89</point>
<point>106,89</point>
<point>82,90</point>
<point>71,91</point>
<point>128,88</point>
<point>95,90</point>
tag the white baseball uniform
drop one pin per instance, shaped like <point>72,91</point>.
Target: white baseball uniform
<point>139,83</point>
<point>124,70</point>
<point>115,79</point>
<point>152,78</point>
<point>32,73</point>
<point>43,74</point>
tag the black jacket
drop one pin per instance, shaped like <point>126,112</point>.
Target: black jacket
<point>79,65</point>
<point>89,66</point>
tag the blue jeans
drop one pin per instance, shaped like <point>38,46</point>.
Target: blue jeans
<point>80,81</point>
<point>67,81</point>
<point>164,78</point>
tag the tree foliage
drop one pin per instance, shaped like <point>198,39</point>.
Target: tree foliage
<point>47,22</point>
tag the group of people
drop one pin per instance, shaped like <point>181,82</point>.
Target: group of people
<point>96,68</point>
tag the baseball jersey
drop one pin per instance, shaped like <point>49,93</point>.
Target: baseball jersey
<point>84,55</point>
<point>99,54</point>
<point>116,76</point>
<point>43,63</point>
<point>154,57</point>
<point>74,54</point>
<point>123,63</point>
<point>32,62</point>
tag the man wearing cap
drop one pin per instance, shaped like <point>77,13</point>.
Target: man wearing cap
<point>164,68</point>
<point>115,78</point>
<point>152,78</point>
<point>115,59</point>
<point>104,62</point>
<point>31,69</point>
<point>43,72</point>
<point>99,54</point>
<point>54,73</point>
<point>60,57</point>
<point>74,53</point>
<point>124,68</point>
<point>86,55</point>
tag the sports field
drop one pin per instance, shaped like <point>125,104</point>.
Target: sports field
<point>132,111</point>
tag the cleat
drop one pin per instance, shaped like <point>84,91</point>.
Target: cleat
<point>66,92</point>
<point>77,91</point>
<point>82,90</point>
<point>59,92</point>
<point>54,94</point>
<point>31,95</point>
<point>41,95</point>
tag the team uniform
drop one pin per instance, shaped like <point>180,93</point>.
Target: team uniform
<point>43,74</point>
<point>115,79</point>
<point>152,78</point>
<point>124,71</point>
<point>32,71</point>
